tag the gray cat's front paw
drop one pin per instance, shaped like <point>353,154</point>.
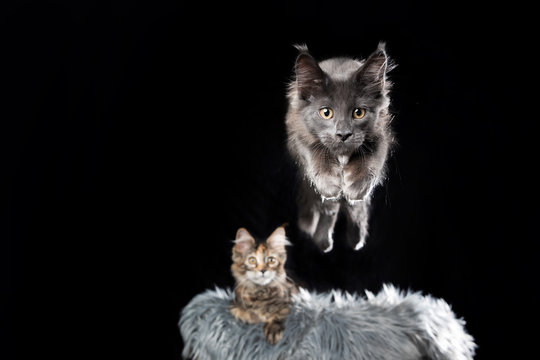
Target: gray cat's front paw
<point>324,241</point>
<point>360,244</point>
<point>356,239</point>
<point>327,191</point>
<point>330,198</point>
<point>353,202</point>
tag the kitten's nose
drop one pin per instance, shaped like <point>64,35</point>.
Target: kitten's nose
<point>343,136</point>
<point>263,271</point>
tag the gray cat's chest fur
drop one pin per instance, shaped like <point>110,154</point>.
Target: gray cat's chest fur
<point>331,178</point>
<point>337,177</point>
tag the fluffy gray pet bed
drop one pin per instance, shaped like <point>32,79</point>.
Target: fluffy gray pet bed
<point>334,325</point>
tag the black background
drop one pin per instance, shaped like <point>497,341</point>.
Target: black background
<point>140,135</point>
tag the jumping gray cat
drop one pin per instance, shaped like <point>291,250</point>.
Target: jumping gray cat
<point>338,127</point>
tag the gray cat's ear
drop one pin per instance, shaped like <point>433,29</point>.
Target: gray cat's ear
<point>309,76</point>
<point>278,239</point>
<point>243,241</point>
<point>375,68</point>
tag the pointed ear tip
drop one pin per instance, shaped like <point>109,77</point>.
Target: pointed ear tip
<point>242,232</point>
<point>280,236</point>
<point>281,229</point>
<point>304,60</point>
<point>304,56</point>
<point>381,51</point>
<point>301,47</point>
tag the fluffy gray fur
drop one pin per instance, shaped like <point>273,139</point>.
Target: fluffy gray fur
<point>341,157</point>
<point>334,325</point>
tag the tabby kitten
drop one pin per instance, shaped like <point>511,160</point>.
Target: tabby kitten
<point>263,291</point>
<point>339,136</point>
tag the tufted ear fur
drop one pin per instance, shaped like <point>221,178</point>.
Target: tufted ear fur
<point>277,240</point>
<point>375,68</point>
<point>244,242</point>
<point>310,78</point>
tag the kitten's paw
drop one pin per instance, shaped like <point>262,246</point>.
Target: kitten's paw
<point>243,315</point>
<point>273,332</point>
<point>235,311</point>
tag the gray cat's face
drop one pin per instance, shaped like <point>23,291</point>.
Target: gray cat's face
<point>340,99</point>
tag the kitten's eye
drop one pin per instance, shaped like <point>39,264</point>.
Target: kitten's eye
<point>326,113</point>
<point>271,260</point>
<point>359,113</point>
<point>252,260</point>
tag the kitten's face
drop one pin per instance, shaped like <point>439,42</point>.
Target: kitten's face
<point>339,99</point>
<point>259,264</point>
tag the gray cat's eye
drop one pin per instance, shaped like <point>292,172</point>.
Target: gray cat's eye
<point>326,113</point>
<point>359,113</point>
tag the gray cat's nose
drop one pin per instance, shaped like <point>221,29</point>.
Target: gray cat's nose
<point>343,136</point>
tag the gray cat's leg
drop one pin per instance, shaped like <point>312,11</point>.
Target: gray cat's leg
<point>316,217</point>
<point>329,210</point>
<point>308,209</point>
<point>357,223</point>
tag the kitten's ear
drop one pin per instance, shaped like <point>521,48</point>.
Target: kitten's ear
<point>243,241</point>
<point>278,239</point>
<point>375,68</point>
<point>309,76</point>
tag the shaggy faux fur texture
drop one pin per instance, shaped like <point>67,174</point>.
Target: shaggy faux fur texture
<point>334,325</point>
